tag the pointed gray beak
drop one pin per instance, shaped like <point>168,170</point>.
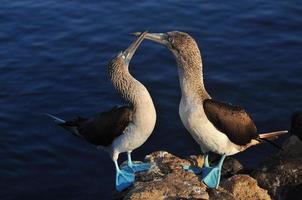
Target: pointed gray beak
<point>161,38</point>
<point>129,52</point>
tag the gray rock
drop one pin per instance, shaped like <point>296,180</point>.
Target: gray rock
<point>283,173</point>
<point>220,193</point>
<point>230,167</point>
<point>244,187</point>
<point>168,180</point>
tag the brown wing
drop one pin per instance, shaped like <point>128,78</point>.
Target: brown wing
<point>105,127</point>
<point>231,120</point>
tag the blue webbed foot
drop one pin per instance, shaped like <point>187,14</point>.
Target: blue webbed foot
<point>136,167</point>
<point>195,170</point>
<point>123,180</point>
<point>211,175</point>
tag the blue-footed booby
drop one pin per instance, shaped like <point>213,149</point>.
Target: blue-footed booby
<point>123,128</point>
<point>216,126</point>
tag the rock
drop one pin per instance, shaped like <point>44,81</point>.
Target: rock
<point>283,173</point>
<point>244,187</point>
<point>230,167</point>
<point>196,160</point>
<point>174,186</point>
<point>168,180</point>
<point>293,192</point>
<point>292,147</point>
<point>220,193</point>
<point>296,124</point>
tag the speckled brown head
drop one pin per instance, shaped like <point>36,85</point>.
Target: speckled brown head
<point>181,44</point>
<point>188,58</point>
<point>123,59</point>
<point>118,70</point>
<point>118,67</point>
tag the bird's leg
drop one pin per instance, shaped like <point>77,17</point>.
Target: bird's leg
<point>206,160</point>
<point>123,178</point>
<point>130,163</point>
<point>211,175</point>
<point>136,167</point>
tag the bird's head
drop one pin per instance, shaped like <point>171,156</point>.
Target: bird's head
<point>124,57</point>
<point>180,43</point>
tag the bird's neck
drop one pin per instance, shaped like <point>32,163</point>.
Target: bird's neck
<point>191,76</point>
<point>131,89</point>
<point>138,97</point>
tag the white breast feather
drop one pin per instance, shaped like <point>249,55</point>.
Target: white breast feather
<point>138,131</point>
<point>203,131</point>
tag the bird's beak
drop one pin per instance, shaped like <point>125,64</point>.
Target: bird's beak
<point>161,38</point>
<point>129,52</point>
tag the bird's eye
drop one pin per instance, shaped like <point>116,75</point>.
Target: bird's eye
<point>170,39</point>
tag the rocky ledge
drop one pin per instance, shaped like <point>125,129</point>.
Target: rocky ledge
<point>278,178</point>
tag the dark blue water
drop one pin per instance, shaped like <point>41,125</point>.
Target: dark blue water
<point>53,56</point>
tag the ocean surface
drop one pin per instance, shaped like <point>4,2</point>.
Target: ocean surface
<point>53,57</point>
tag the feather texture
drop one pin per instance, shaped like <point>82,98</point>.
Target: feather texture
<point>231,120</point>
<point>104,127</point>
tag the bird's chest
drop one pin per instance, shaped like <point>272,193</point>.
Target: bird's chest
<point>203,132</point>
<point>138,131</point>
<point>192,116</point>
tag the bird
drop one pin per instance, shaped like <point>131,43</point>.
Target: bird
<point>122,128</point>
<point>218,127</point>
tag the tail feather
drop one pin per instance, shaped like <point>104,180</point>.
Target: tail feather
<point>56,119</point>
<point>265,137</point>
<point>268,137</point>
<point>71,127</point>
<point>272,135</point>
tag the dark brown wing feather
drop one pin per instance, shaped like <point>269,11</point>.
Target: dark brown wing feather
<point>105,127</point>
<point>231,120</point>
